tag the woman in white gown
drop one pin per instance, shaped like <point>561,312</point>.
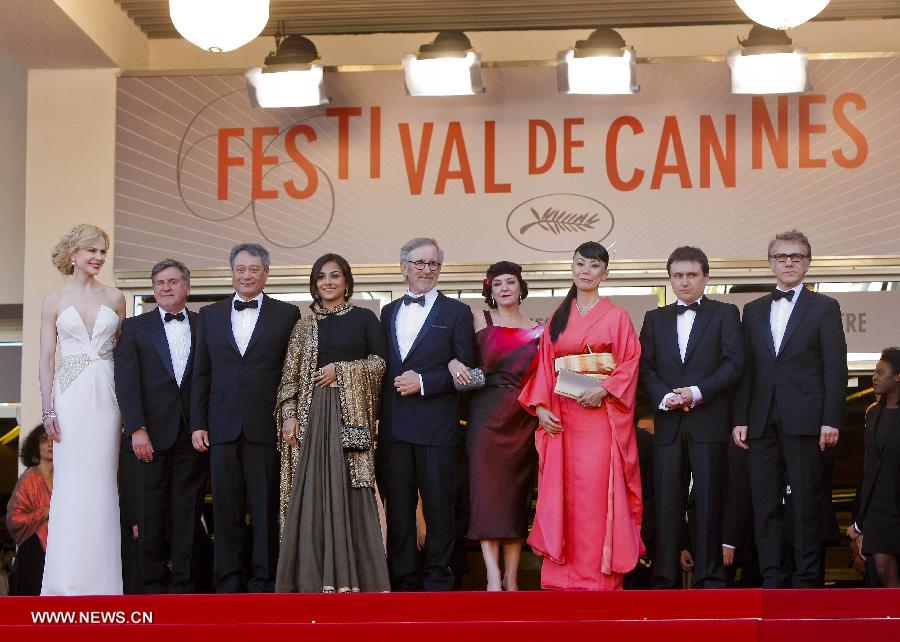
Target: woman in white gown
<point>81,415</point>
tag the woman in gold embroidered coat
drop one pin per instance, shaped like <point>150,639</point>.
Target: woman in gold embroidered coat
<point>330,530</point>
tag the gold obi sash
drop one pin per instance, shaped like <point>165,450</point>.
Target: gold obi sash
<point>598,365</point>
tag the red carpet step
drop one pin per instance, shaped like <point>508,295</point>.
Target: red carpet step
<point>661,616</point>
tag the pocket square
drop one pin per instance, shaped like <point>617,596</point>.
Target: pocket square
<point>439,327</point>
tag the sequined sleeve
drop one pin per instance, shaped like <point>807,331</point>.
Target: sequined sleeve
<point>286,400</point>
<point>293,400</point>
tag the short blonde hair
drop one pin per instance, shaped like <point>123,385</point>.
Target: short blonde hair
<point>793,236</point>
<point>78,237</point>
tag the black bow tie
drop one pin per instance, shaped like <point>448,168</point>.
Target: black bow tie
<point>781,294</point>
<point>243,305</point>
<point>173,317</point>
<point>681,308</point>
<point>407,299</point>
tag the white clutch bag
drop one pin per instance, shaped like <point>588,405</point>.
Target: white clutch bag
<point>572,384</point>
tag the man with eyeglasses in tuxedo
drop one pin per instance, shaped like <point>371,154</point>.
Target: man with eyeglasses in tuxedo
<point>419,428</point>
<point>789,406</point>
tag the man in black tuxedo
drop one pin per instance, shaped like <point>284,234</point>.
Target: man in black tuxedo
<point>419,428</point>
<point>241,343</point>
<point>691,356</point>
<point>789,404</point>
<point>153,363</point>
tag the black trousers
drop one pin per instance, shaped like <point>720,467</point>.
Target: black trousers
<point>173,487</point>
<point>404,471</point>
<point>244,476</point>
<point>674,463</point>
<point>803,465</point>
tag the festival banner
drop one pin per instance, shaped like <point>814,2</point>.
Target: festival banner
<point>520,173</point>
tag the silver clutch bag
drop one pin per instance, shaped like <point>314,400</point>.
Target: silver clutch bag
<point>476,382</point>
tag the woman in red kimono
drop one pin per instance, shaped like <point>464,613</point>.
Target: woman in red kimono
<point>588,520</point>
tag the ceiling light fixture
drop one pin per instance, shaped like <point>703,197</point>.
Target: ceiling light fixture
<point>768,63</point>
<point>781,14</point>
<point>219,25</point>
<point>448,66</point>
<point>292,76</point>
<point>602,64</point>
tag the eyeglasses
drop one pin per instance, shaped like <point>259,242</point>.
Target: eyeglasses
<point>241,269</point>
<point>420,266</point>
<point>783,258</point>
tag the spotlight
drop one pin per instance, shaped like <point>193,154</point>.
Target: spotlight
<point>602,64</point>
<point>768,63</point>
<point>292,76</point>
<point>448,66</point>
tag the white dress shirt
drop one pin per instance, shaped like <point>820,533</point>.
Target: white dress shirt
<point>683,324</point>
<point>243,322</point>
<point>780,314</point>
<point>178,336</point>
<point>410,319</point>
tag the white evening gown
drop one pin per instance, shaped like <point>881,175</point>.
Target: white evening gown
<point>84,539</point>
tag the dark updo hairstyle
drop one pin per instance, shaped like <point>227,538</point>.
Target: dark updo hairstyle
<point>317,267</point>
<point>560,318</point>
<point>499,269</point>
<point>892,356</point>
<point>30,452</point>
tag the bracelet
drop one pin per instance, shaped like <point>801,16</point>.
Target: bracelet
<point>47,414</point>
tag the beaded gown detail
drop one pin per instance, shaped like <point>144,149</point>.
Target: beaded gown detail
<point>84,536</point>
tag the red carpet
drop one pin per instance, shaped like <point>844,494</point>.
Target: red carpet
<point>668,616</point>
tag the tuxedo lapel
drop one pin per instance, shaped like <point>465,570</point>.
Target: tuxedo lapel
<point>393,329</point>
<point>764,325</point>
<point>192,322</point>
<point>432,315</point>
<point>226,320</point>
<point>804,300</point>
<point>266,313</point>
<point>670,319</point>
<point>701,320</point>
<point>157,332</point>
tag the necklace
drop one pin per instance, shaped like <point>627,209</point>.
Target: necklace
<point>588,311</point>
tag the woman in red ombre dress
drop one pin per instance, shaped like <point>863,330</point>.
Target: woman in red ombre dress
<point>588,520</point>
<point>500,434</point>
